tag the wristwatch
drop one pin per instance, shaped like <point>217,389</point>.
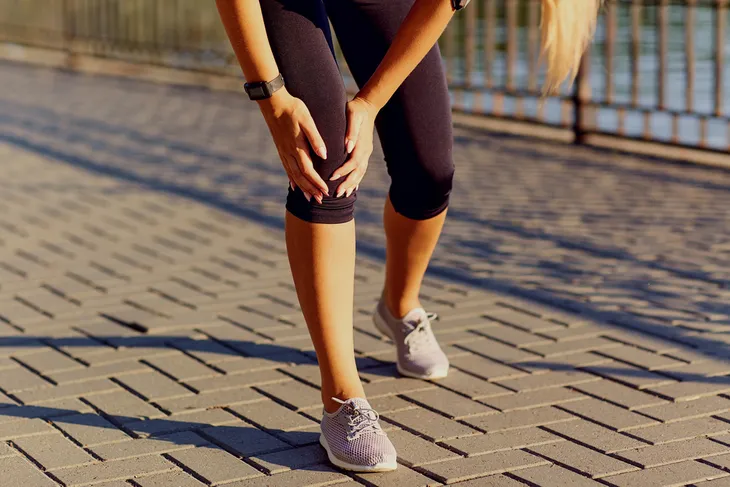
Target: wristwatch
<point>459,4</point>
<point>260,90</point>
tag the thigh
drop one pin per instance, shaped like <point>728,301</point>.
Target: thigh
<point>300,39</point>
<point>415,126</point>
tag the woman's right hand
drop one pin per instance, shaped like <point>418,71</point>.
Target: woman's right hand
<point>294,132</point>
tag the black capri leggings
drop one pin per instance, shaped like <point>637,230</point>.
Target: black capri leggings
<point>414,127</point>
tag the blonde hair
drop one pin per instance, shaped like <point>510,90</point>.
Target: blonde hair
<point>567,29</point>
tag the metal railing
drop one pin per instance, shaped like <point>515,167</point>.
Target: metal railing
<point>656,71</point>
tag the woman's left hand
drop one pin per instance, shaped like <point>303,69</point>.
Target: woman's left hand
<point>358,143</point>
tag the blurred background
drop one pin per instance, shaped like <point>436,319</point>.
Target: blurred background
<point>656,71</point>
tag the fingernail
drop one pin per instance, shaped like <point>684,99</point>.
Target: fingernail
<point>319,199</point>
<point>307,195</point>
<point>291,185</point>
<point>322,151</point>
<point>340,193</point>
<point>349,192</point>
<point>335,176</point>
<point>350,146</point>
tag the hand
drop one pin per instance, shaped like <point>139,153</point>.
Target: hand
<point>358,143</point>
<point>293,130</point>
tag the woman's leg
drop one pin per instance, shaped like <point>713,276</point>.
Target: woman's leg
<point>416,135</point>
<point>320,237</point>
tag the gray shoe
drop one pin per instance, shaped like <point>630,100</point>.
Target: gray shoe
<point>419,354</point>
<point>354,440</point>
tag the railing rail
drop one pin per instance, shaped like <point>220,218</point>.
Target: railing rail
<point>655,73</point>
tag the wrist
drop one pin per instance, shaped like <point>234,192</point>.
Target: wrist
<point>275,102</point>
<point>370,101</point>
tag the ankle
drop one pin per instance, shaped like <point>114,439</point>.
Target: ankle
<point>401,306</point>
<point>343,395</point>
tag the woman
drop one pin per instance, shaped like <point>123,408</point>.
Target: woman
<point>324,142</point>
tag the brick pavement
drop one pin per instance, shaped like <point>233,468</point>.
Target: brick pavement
<point>150,335</point>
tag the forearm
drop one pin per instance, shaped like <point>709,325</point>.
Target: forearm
<point>244,24</point>
<point>418,33</point>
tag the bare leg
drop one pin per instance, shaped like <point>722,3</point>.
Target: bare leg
<point>410,244</point>
<point>322,259</point>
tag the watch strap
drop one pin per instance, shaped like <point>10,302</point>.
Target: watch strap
<point>260,90</point>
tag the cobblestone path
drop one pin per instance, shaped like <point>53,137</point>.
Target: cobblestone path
<point>150,336</point>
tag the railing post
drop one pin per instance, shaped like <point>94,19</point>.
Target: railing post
<point>68,28</point>
<point>581,95</point>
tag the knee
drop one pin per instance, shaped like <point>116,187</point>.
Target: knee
<point>424,193</point>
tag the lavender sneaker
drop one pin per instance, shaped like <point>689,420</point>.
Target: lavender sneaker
<point>354,440</point>
<point>419,354</point>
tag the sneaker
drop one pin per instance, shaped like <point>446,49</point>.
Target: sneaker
<point>354,440</point>
<point>419,354</point>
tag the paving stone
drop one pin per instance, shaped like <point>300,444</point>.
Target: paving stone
<point>582,459</point>
<point>564,362</point>
<point>640,358</point>
<point>307,477</point>
<point>76,389</point>
<point>452,471</point>
<point>654,456</point>
<point>53,451</point>
<point>496,351</point>
<point>124,407</point>
<point>429,424</point>
<point>679,411</point>
<point>181,367</point>
<point>449,403</point>
<point>594,436</point>
<point>244,440</point>
<point>271,415</point>
<point>49,360</point>
<point>273,463</point>
<point>681,430</point>
<point>502,440</point>
<point>554,476</point>
<point>687,391</point>
<point>20,379</point>
<point>116,470</point>
<point>573,346</point>
<point>532,399</point>
<point>673,475</point>
<point>519,419</point>
<point>619,394</point>
<point>153,385</point>
<point>402,476</point>
<point>296,394</point>
<point>170,479</point>
<point>524,321</point>
<point>484,368</point>
<point>142,447</point>
<point>19,471</point>
<point>392,387</point>
<point>491,481</point>
<point>548,380</point>
<point>414,450</point>
<point>607,414</point>
<point>90,430</point>
<point>208,400</point>
<point>114,369</point>
<point>214,465</point>
<point>471,386</point>
<point>25,427</point>
<point>512,336</point>
<point>182,422</point>
<point>223,382</point>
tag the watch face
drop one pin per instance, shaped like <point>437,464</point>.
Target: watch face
<point>257,92</point>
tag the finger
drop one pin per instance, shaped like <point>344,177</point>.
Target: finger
<point>306,167</point>
<point>345,169</point>
<point>352,180</point>
<point>300,180</point>
<point>315,140</point>
<point>354,122</point>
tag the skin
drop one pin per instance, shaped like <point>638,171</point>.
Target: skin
<point>322,257</point>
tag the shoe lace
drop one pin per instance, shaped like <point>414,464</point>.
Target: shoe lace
<point>361,420</point>
<point>420,335</point>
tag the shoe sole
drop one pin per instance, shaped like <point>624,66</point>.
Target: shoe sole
<point>385,330</point>
<point>380,467</point>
